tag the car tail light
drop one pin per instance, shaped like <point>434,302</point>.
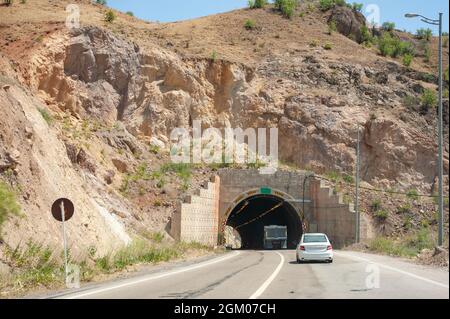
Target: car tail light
<point>330,247</point>
<point>302,248</point>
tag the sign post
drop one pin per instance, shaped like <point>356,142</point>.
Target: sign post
<point>62,210</point>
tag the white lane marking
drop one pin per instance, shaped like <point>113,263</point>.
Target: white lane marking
<point>152,277</point>
<point>269,280</point>
<point>394,269</point>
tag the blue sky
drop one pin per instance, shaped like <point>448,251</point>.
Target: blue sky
<point>175,10</point>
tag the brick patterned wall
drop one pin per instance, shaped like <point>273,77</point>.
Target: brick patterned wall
<point>196,220</point>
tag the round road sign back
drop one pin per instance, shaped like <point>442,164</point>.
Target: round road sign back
<point>68,209</point>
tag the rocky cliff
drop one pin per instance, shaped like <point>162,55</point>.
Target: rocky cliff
<point>83,109</point>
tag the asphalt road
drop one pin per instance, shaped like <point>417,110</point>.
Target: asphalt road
<point>275,274</point>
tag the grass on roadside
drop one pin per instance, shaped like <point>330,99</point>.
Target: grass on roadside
<point>35,265</point>
<point>409,246</point>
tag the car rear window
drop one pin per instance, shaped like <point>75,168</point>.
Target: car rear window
<point>315,239</point>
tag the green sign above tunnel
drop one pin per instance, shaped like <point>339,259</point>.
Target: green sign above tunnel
<point>266,190</point>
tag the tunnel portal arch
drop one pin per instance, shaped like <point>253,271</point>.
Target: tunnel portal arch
<point>251,211</point>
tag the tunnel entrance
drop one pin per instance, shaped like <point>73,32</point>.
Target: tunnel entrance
<point>251,215</point>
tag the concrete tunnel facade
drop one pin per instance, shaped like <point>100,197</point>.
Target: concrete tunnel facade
<point>234,197</point>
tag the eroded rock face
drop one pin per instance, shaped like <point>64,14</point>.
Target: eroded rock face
<point>44,168</point>
<point>348,22</point>
<point>316,103</point>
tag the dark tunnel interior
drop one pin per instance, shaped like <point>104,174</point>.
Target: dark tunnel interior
<point>251,215</point>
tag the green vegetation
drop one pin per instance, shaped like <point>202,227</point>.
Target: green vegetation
<point>157,237</point>
<point>8,203</point>
<point>326,5</point>
<point>327,46</point>
<point>46,116</point>
<point>332,27</point>
<point>348,179</point>
<point>101,2</point>
<point>154,149</point>
<point>427,54</point>
<point>381,215</point>
<point>389,45</point>
<point>388,26</point>
<point>376,205</point>
<point>130,13</point>
<point>313,43</point>
<point>109,16</point>
<point>409,246</point>
<point>287,7</point>
<point>250,24</point>
<point>143,252</point>
<point>428,99</point>
<point>333,176</point>
<point>424,34</point>
<point>366,36</point>
<point>257,4</point>
<point>357,6</point>
<point>405,209</point>
<point>412,194</point>
<point>213,56</point>
<point>37,265</point>
<point>183,171</point>
<point>407,59</point>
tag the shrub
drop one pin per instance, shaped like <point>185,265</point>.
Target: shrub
<point>8,2</point>
<point>256,4</point>
<point>389,45</point>
<point>250,24</point>
<point>8,203</point>
<point>101,2</point>
<point>34,265</point>
<point>340,3</point>
<point>446,75</point>
<point>388,26</point>
<point>427,54</point>
<point>333,176</point>
<point>409,246</point>
<point>385,45</point>
<point>130,13</point>
<point>366,35</point>
<point>327,46</point>
<point>46,116</point>
<point>424,34</point>
<point>313,43</point>
<point>357,7</point>
<point>428,99</point>
<point>404,209</point>
<point>412,194</point>
<point>110,16</point>
<point>332,27</point>
<point>381,215</point>
<point>287,7</point>
<point>407,59</point>
<point>348,179</point>
<point>376,205</point>
<point>213,56</point>
<point>326,5</point>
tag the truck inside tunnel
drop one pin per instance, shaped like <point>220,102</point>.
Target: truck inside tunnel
<point>251,215</point>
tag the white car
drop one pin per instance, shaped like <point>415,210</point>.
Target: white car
<point>314,247</point>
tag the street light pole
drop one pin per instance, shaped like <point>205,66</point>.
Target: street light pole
<point>441,143</point>
<point>438,22</point>
<point>358,215</point>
